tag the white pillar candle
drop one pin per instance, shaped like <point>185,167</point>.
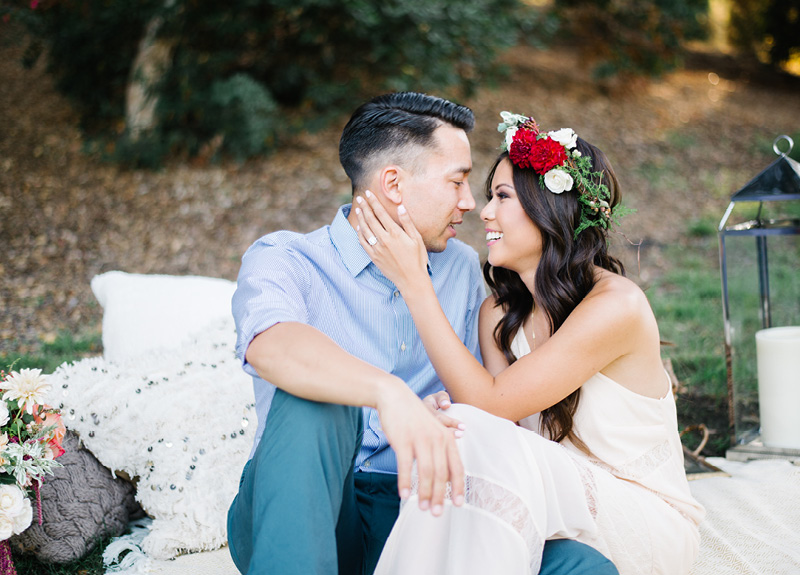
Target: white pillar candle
<point>778,352</point>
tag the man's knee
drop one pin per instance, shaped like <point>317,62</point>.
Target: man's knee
<point>568,557</point>
<point>295,416</point>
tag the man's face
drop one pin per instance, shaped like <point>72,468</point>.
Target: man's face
<point>436,193</point>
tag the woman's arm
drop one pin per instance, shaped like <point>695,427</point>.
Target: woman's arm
<point>494,360</point>
<point>601,330</point>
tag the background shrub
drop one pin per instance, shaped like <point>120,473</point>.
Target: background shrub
<point>627,37</point>
<point>769,29</point>
<point>246,69</point>
<point>244,113</point>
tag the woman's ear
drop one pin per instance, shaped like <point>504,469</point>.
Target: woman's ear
<point>390,184</point>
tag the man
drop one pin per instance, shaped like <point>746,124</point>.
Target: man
<point>334,339</point>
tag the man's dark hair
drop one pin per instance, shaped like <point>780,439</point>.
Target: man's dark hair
<point>393,123</point>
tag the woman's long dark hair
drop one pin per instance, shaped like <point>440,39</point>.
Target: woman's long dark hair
<point>565,274</point>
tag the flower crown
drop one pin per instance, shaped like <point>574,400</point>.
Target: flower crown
<point>560,168</point>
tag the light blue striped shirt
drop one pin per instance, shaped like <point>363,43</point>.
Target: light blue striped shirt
<point>325,279</point>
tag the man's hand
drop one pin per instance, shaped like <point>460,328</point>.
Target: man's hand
<point>415,434</point>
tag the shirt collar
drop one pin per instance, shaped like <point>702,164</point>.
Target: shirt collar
<point>345,240</point>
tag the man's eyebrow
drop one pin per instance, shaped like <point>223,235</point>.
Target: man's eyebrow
<point>462,170</point>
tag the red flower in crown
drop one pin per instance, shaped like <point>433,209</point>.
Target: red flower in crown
<point>521,146</point>
<point>543,154</point>
<point>546,155</point>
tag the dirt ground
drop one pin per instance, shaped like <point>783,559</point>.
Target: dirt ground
<point>66,216</point>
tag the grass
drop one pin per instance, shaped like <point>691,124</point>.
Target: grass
<point>89,564</point>
<point>687,301</point>
<point>688,305</point>
<point>687,298</point>
<point>64,347</point>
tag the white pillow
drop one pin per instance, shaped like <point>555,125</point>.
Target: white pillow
<point>147,313</point>
<point>180,420</point>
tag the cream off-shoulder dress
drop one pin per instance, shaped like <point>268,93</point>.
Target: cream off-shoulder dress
<point>629,498</point>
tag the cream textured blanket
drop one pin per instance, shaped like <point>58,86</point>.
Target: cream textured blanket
<point>752,526</point>
<point>181,422</point>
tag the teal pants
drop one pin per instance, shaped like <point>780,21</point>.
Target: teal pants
<point>302,510</point>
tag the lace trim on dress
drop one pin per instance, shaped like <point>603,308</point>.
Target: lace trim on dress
<point>623,538</point>
<point>638,468</point>
<point>641,466</point>
<point>503,504</point>
<point>589,485</point>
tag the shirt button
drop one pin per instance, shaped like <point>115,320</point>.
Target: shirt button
<point>403,346</point>
<point>396,293</point>
<point>367,463</point>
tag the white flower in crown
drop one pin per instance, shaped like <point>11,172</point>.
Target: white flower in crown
<point>565,136</point>
<point>558,181</point>
<point>510,125</point>
<point>510,137</point>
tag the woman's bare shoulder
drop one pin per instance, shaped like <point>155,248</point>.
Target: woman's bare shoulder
<point>617,302</point>
<point>617,291</point>
<point>490,310</point>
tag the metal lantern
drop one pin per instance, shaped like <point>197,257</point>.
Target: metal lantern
<point>760,268</point>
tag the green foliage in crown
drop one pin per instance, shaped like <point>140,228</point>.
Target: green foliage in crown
<point>561,168</point>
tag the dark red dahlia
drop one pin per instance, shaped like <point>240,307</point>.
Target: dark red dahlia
<point>520,149</point>
<point>546,155</point>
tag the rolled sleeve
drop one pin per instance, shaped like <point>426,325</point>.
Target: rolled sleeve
<point>273,287</point>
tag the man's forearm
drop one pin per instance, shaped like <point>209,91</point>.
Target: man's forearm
<point>305,362</point>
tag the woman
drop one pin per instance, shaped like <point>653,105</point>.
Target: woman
<point>571,352</point>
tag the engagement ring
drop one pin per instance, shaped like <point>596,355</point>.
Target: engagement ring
<point>372,240</point>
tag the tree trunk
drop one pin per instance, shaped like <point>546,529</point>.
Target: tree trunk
<point>150,65</point>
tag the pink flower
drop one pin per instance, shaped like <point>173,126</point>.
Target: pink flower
<point>49,419</point>
<point>34,4</point>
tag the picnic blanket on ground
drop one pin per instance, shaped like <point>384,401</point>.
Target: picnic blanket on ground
<point>752,526</point>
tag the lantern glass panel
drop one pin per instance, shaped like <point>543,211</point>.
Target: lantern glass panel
<point>744,302</point>
<point>746,315</point>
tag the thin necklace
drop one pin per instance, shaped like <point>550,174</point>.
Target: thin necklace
<point>533,333</point>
